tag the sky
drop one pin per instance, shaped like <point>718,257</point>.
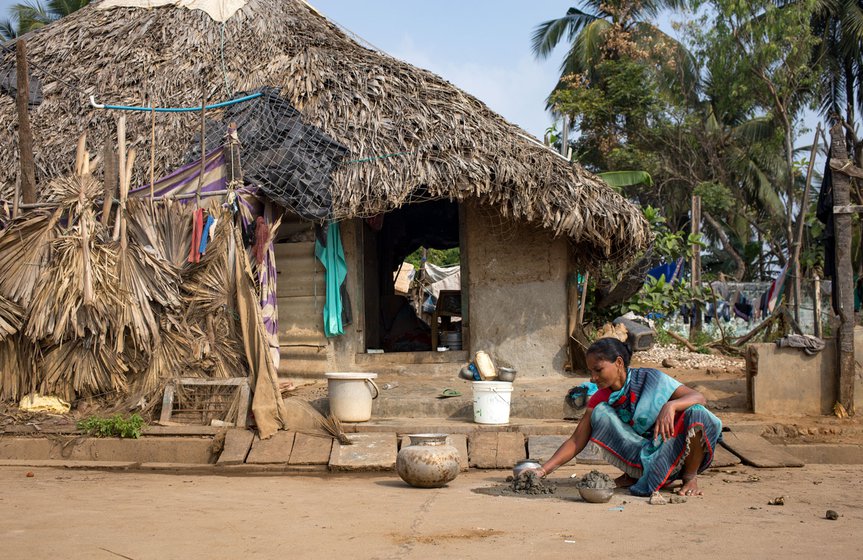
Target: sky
<point>481,46</point>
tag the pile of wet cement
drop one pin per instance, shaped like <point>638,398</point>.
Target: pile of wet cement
<point>529,483</point>
<point>596,479</point>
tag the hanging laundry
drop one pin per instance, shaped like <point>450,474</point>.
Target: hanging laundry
<point>206,233</point>
<point>197,228</point>
<point>328,250</point>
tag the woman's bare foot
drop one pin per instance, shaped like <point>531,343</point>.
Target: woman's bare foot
<point>624,481</point>
<point>690,486</point>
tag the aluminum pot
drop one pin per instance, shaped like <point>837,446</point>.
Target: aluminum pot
<point>524,465</point>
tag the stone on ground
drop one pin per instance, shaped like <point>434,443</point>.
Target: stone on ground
<point>237,445</point>
<point>369,452</point>
<point>496,450</point>
<point>276,449</point>
<point>311,450</point>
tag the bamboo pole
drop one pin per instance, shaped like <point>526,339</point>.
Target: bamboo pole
<point>152,149</point>
<point>583,304</point>
<point>121,170</point>
<point>127,180</point>
<point>816,299</point>
<point>25,134</point>
<point>844,273</point>
<point>111,179</point>
<point>801,218</point>
<point>203,150</point>
<point>696,265</point>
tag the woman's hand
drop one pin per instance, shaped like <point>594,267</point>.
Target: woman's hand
<point>538,471</point>
<point>664,426</point>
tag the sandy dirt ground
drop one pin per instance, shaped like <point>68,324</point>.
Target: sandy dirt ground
<point>74,514</point>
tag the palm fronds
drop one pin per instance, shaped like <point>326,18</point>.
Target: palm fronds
<point>11,318</point>
<point>25,247</point>
<point>64,306</point>
<point>82,368</point>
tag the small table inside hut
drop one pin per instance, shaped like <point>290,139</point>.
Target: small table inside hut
<point>448,306</point>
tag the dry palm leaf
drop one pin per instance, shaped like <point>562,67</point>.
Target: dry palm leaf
<point>209,285</point>
<point>11,317</point>
<point>165,228</point>
<point>82,368</point>
<point>25,248</point>
<point>144,278</point>
<point>65,305</point>
<point>16,368</point>
<point>76,193</point>
<point>168,359</point>
<point>303,417</point>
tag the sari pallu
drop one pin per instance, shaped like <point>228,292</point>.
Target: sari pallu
<point>623,430</point>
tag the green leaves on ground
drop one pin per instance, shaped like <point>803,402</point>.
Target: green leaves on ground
<point>114,426</point>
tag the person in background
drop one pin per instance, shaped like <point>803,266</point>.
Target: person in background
<point>649,425</point>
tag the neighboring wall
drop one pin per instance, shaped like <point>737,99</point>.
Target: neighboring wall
<point>301,289</point>
<point>517,292</point>
<point>788,382</point>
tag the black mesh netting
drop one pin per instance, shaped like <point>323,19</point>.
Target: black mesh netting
<point>290,161</point>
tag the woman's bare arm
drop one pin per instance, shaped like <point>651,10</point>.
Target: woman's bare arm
<point>571,447</point>
<point>682,398</point>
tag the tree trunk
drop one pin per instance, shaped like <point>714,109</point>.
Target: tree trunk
<point>739,264</point>
<point>25,134</point>
<point>844,275</point>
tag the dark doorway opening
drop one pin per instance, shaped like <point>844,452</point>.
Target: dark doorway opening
<point>396,319</point>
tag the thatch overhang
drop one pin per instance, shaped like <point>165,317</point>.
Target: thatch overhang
<point>450,144</point>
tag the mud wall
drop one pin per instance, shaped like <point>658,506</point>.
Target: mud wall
<point>516,282</point>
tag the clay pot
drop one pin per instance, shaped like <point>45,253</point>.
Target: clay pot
<point>428,462</point>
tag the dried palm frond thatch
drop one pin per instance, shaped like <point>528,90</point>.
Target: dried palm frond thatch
<point>25,247</point>
<point>208,286</point>
<point>11,318</point>
<point>82,368</point>
<point>411,134</point>
<point>165,228</point>
<point>64,306</point>
<point>144,279</point>
<point>17,368</point>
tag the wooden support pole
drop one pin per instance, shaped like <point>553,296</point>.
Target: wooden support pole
<point>111,178</point>
<point>801,218</point>
<point>121,172</point>
<point>25,134</point>
<point>844,274</point>
<point>816,299</point>
<point>152,150</point>
<point>695,326</point>
<point>203,151</point>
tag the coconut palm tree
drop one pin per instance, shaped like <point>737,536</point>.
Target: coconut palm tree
<point>609,29</point>
<point>839,24</point>
<point>27,16</point>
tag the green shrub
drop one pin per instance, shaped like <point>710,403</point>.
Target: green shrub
<point>114,426</point>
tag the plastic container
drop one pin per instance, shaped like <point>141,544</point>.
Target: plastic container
<point>485,365</point>
<point>351,395</point>
<point>491,401</point>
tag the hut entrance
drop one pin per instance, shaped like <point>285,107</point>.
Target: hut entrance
<point>414,313</point>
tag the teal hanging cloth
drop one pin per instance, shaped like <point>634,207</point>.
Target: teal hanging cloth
<point>328,250</point>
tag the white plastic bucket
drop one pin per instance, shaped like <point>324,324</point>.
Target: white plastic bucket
<point>491,400</point>
<point>351,395</point>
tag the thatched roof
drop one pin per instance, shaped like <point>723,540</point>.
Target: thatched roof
<point>452,145</point>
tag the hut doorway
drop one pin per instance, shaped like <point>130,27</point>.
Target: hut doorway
<point>403,315</point>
